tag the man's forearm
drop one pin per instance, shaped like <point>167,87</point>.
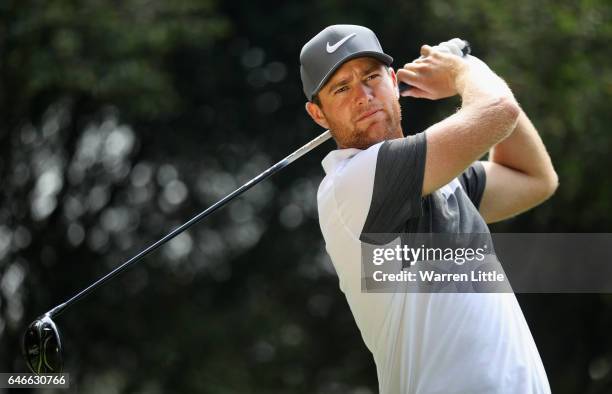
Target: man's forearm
<point>524,151</point>
<point>481,89</point>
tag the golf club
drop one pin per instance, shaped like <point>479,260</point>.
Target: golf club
<point>42,344</point>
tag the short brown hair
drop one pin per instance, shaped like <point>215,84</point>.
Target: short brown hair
<point>316,100</point>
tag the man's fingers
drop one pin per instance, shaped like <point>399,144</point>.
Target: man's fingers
<point>429,76</point>
<point>416,86</point>
<point>416,66</point>
<point>407,76</point>
<point>416,93</point>
<point>425,50</point>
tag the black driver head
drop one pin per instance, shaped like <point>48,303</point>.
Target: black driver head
<point>42,346</point>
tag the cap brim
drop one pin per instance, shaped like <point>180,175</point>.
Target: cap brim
<point>384,58</point>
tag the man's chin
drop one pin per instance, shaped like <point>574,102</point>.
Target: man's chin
<point>369,137</point>
<point>378,131</point>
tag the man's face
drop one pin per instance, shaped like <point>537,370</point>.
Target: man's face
<point>359,104</point>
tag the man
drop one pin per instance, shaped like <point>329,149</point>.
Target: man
<point>379,181</point>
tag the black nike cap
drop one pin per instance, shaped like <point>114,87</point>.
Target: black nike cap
<point>327,51</point>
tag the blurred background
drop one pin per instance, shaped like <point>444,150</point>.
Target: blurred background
<point>120,120</point>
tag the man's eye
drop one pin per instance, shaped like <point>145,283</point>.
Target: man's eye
<point>340,90</point>
<point>370,77</point>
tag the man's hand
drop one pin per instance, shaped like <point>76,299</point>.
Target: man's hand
<point>434,75</point>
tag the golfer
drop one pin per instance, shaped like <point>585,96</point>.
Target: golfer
<point>380,181</point>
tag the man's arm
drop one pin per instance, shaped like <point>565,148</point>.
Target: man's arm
<point>488,113</point>
<point>520,174</point>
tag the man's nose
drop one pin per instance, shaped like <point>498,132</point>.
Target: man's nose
<point>363,94</point>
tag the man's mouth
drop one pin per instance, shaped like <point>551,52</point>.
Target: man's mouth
<point>367,114</point>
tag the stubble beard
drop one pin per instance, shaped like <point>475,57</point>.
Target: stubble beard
<point>361,138</point>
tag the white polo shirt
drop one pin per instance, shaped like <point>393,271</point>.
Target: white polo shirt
<point>422,343</point>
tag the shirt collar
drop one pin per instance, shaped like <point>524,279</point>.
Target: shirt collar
<point>335,157</point>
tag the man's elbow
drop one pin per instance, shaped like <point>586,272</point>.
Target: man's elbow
<point>506,114</point>
<point>511,110</point>
<point>553,184</point>
<point>547,186</point>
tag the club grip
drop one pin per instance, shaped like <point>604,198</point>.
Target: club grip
<point>465,51</point>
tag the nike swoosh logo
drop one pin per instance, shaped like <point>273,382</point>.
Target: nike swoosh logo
<point>332,48</point>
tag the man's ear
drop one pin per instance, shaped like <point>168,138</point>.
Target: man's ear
<point>317,114</point>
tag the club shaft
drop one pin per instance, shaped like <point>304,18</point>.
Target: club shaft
<point>267,173</point>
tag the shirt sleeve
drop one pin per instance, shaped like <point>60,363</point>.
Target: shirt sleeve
<point>398,183</point>
<point>473,181</point>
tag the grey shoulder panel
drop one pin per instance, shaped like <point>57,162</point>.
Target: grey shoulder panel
<point>398,183</point>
